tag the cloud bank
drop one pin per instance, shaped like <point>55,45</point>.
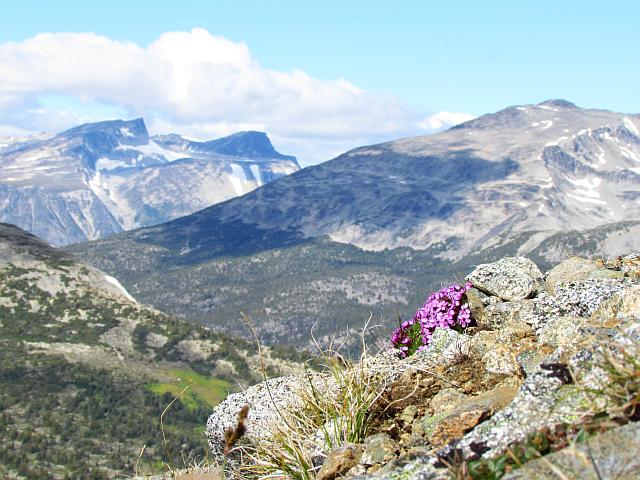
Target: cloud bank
<point>196,84</point>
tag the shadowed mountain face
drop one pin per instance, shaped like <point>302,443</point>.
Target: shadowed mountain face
<point>546,167</point>
<point>102,178</point>
<point>396,217</point>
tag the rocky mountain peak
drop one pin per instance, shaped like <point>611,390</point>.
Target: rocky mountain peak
<point>101,178</point>
<point>245,144</point>
<point>126,132</point>
<point>559,103</point>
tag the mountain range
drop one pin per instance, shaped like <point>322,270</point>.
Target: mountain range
<point>98,179</point>
<point>373,229</point>
<point>86,371</point>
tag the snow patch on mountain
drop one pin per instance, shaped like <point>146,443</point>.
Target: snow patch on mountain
<point>631,126</point>
<point>114,281</point>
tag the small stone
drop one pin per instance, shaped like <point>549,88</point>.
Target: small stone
<point>417,428</point>
<point>215,474</point>
<point>379,448</point>
<point>530,361</point>
<point>613,263</point>
<point>357,470</point>
<point>498,315</point>
<point>408,414</point>
<point>454,426</point>
<point>446,400</point>
<point>511,278</point>
<point>339,461</point>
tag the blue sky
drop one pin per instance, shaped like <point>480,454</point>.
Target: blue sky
<point>411,60</point>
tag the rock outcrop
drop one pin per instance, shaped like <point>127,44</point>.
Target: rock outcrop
<point>542,372</point>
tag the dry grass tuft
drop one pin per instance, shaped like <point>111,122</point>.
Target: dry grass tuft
<point>333,409</point>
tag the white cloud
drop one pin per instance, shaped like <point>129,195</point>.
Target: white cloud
<point>197,84</point>
<point>441,120</point>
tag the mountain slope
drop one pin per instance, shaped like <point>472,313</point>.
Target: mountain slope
<point>85,371</point>
<point>98,179</point>
<point>546,167</point>
<point>299,249</point>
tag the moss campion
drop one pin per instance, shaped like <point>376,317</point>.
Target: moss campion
<point>443,309</point>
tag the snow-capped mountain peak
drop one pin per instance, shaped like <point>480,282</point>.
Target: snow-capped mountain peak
<point>101,178</point>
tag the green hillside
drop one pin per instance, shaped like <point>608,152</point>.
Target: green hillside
<point>85,373</point>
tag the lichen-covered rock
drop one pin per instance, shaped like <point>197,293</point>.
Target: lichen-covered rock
<point>540,402</point>
<point>493,400</point>
<point>563,331</point>
<point>493,317</point>
<point>624,304</point>
<point>453,421</point>
<point>495,356</point>
<point>378,448</point>
<point>571,270</point>
<point>583,298</point>
<point>530,361</point>
<point>511,278</point>
<point>455,425</point>
<point>613,454</point>
<point>630,264</point>
<point>478,301</point>
<point>408,414</point>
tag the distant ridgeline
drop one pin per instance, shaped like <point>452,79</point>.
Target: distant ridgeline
<point>85,371</point>
<point>102,178</point>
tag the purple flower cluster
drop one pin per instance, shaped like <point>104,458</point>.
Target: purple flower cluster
<point>443,309</point>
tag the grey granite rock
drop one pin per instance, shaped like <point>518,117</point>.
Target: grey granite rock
<point>582,298</point>
<point>613,454</point>
<point>571,270</point>
<point>541,401</point>
<point>267,401</point>
<point>511,278</point>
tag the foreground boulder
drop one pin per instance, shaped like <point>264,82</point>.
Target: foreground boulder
<point>541,347</point>
<point>511,279</point>
<point>613,454</point>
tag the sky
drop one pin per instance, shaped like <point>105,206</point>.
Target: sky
<point>318,77</point>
